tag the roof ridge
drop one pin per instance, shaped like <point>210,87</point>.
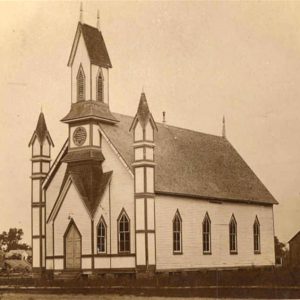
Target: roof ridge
<point>177,127</point>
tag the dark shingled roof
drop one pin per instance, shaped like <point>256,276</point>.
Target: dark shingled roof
<point>95,46</point>
<point>193,164</point>
<point>89,109</point>
<point>90,182</point>
<point>41,131</point>
<point>82,155</point>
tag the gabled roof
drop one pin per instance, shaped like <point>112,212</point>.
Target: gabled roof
<point>90,183</point>
<point>193,164</point>
<point>294,237</point>
<point>95,45</point>
<point>41,132</point>
<point>89,109</point>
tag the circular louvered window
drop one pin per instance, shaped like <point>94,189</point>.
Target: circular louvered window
<point>79,136</point>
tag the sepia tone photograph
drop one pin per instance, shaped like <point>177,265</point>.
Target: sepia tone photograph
<point>150,149</point>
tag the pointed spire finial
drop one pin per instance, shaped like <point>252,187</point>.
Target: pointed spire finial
<point>98,19</point>
<point>81,13</point>
<point>164,117</point>
<point>224,128</point>
<point>41,108</point>
<point>143,90</point>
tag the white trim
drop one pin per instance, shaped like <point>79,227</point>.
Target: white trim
<point>57,160</point>
<point>116,151</point>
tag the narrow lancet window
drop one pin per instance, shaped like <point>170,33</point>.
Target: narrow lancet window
<point>80,84</point>
<point>101,236</point>
<point>124,232</point>
<point>233,235</point>
<point>99,85</point>
<point>177,233</point>
<point>256,236</point>
<point>206,235</point>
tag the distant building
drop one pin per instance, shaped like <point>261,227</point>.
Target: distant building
<point>294,252</point>
<point>128,194</point>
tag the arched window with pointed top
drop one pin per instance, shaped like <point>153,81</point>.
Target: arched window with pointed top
<point>177,233</point>
<point>233,235</point>
<point>206,235</point>
<point>100,87</point>
<point>80,84</point>
<point>256,236</point>
<point>123,232</point>
<point>101,236</point>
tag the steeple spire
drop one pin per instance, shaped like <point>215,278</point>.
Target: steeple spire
<point>98,19</point>
<point>224,128</point>
<point>81,13</point>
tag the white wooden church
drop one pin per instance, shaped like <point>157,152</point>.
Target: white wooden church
<point>128,194</point>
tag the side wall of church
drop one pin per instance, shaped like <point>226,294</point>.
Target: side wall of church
<point>121,197</point>
<point>192,212</point>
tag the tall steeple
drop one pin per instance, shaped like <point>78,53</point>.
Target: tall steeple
<point>41,144</point>
<point>143,128</point>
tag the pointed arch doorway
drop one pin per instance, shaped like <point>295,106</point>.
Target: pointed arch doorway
<point>72,239</point>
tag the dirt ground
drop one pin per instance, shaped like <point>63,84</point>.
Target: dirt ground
<point>13,296</point>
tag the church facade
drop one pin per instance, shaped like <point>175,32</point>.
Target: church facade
<point>128,194</point>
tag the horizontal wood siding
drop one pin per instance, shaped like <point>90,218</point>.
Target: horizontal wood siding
<point>54,188</point>
<point>74,208</point>
<point>122,195</point>
<point>192,212</point>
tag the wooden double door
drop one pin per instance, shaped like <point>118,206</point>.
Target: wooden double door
<point>73,248</point>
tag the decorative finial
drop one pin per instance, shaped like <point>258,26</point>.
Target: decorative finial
<point>41,108</point>
<point>164,117</point>
<point>98,19</point>
<point>224,128</point>
<point>143,89</point>
<point>81,13</point>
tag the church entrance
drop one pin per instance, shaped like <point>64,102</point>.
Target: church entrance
<point>72,247</point>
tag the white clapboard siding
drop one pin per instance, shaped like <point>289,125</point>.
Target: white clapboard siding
<point>72,207</point>
<point>54,188</point>
<point>122,195</point>
<point>103,211</point>
<point>192,212</point>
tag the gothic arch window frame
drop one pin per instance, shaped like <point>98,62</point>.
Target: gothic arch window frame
<point>233,246</point>
<point>206,234</point>
<point>122,234</point>
<point>177,233</point>
<point>256,236</point>
<point>101,222</point>
<point>100,76</point>
<point>80,94</point>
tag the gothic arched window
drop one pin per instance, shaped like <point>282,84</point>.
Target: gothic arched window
<point>233,235</point>
<point>206,235</point>
<point>101,236</point>
<point>123,232</point>
<point>80,84</point>
<point>256,236</point>
<point>100,87</point>
<point>177,233</point>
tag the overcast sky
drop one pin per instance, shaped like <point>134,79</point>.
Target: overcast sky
<point>197,61</point>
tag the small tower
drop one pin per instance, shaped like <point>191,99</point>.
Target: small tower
<point>143,128</point>
<point>41,144</point>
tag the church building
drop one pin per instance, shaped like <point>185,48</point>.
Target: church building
<point>129,194</point>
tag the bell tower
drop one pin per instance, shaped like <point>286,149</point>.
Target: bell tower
<point>89,64</point>
<point>144,128</point>
<point>41,144</point>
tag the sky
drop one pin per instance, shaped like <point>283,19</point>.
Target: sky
<point>195,60</point>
